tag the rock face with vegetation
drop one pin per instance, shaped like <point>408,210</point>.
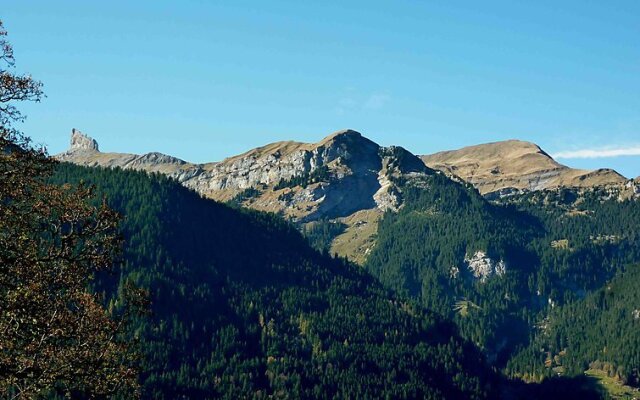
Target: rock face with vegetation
<point>513,165</point>
<point>506,272</point>
<point>342,174</point>
<point>349,180</point>
<point>345,177</point>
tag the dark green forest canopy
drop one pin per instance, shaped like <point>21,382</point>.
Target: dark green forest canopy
<point>597,326</point>
<point>555,247</point>
<point>243,307</point>
<point>601,331</point>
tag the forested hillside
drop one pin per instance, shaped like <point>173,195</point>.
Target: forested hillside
<point>336,268</point>
<point>600,332</point>
<point>499,269</point>
<point>421,251</point>
<point>243,307</point>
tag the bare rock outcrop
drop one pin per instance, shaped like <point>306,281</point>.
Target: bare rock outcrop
<point>483,267</point>
<point>80,141</point>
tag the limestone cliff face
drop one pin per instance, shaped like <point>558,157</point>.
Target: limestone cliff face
<point>336,177</point>
<point>483,267</point>
<point>501,168</point>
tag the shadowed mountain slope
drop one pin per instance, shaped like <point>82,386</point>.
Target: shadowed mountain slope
<point>243,307</point>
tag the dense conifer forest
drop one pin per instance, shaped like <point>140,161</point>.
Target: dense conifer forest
<point>551,254</point>
<point>243,307</point>
<point>598,332</point>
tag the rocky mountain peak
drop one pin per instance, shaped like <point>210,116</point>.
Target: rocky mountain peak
<point>346,144</point>
<point>80,141</point>
<point>343,136</point>
<point>343,174</point>
<point>346,177</point>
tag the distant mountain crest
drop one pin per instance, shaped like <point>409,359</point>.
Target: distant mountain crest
<point>515,164</point>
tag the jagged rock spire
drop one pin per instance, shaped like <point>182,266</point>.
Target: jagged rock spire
<point>80,141</point>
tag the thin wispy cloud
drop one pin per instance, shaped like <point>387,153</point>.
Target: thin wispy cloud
<point>633,150</point>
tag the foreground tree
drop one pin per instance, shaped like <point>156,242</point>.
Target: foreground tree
<point>55,336</point>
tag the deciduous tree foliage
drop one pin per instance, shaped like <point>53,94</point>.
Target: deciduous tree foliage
<point>55,337</point>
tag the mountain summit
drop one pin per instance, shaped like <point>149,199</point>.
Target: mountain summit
<point>515,164</point>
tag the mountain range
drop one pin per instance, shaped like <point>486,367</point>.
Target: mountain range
<point>495,294</point>
<point>350,180</point>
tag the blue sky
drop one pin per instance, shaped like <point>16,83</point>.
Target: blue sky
<point>203,80</point>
